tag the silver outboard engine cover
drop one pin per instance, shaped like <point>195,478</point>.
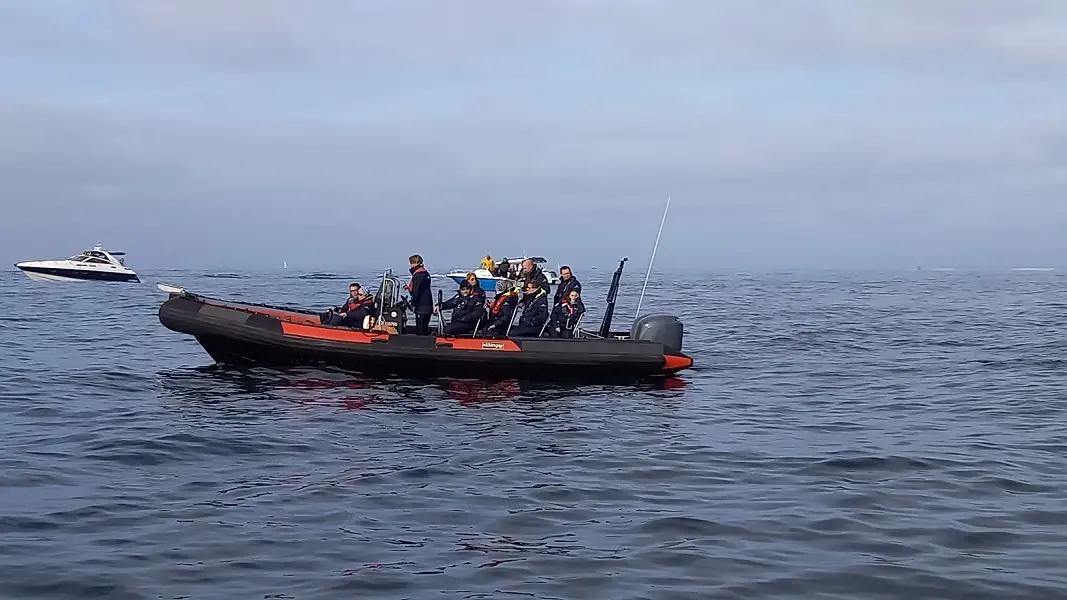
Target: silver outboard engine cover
<point>665,329</point>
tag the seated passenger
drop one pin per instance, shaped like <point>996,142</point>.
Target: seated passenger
<point>502,309</point>
<point>476,286</point>
<point>565,315</point>
<point>466,307</point>
<point>534,311</point>
<point>359,305</point>
<point>488,264</point>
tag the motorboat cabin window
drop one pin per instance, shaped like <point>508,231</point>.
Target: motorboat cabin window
<point>91,257</point>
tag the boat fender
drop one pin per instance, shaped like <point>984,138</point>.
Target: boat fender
<point>366,322</point>
<point>665,329</point>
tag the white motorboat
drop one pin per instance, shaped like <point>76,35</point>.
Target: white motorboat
<point>92,265</point>
<point>489,281</point>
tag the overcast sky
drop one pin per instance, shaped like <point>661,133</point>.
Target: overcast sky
<point>789,133</point>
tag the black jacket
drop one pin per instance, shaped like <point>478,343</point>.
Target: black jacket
<point>566,314</point>
<point>566,287</point>
<point>419,286</point>
<point>539,276</point>
<point>535,310</point>
<point>465,310</point>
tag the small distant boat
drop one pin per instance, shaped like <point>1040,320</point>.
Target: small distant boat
<point>97,264</point>
<point>489,282</point>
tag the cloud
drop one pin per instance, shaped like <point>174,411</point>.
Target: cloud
<point>805,131</point>
<point>856,172</point>
<point>1018,34</point>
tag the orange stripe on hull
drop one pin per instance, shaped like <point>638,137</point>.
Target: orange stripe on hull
<point>672,362</point>
<point>459,343</point>
<point>319,332</point>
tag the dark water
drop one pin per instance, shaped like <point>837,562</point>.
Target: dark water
<point>846,436</point>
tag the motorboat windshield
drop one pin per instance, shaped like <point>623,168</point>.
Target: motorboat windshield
<point>98,257</point>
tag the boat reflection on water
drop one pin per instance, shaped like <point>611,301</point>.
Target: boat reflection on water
<point>470,392</point>
<point>230,385</point>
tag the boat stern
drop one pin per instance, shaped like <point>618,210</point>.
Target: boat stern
<point>676,363</point>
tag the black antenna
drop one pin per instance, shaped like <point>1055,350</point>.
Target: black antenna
<point>440,315</point>
<point>613,291</point>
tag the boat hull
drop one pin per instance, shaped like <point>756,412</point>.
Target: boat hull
<point>52,273</point>
<point>489,282</point>
<point>486,283</point>
<point>243,334</point>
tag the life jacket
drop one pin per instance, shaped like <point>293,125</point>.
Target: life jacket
<point>568,311</point>
<point>411,283</point>
<point>498,303</point>
<point>355,303</point>
<point>528,300</point>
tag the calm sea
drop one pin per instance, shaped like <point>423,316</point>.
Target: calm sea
<point>863,435</point>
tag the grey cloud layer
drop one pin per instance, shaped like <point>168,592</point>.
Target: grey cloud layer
<point>1016,33</point>
<point>865,165</point>
<point>817,164</point>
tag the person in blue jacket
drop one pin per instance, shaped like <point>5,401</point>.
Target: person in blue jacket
<point>467,307</point>
<point>421,296</point>
<point>534,311</point>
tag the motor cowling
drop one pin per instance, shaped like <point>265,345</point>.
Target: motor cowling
<point>665,329</point>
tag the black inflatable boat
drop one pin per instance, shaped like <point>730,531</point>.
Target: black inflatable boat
<point>234,333</point>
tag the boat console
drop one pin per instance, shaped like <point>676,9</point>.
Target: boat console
<point>390,308</point>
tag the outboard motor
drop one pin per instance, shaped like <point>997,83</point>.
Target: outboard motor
<point>665,329</point>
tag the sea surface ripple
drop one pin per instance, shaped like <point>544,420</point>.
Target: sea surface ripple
<point>844,435</point>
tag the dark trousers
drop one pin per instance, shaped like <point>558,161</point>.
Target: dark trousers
<point>422,323</point>
<point>458,328</point>
<point>520,331</point>
<point>354,319</point>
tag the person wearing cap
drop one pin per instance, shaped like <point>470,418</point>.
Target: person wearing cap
<point>466,307</point>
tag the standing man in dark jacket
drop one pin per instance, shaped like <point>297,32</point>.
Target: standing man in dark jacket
<point>567,283</point>
<point>531,272</point>
<point>421,296</point>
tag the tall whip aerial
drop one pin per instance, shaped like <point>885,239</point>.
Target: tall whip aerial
<point>654,248</point>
